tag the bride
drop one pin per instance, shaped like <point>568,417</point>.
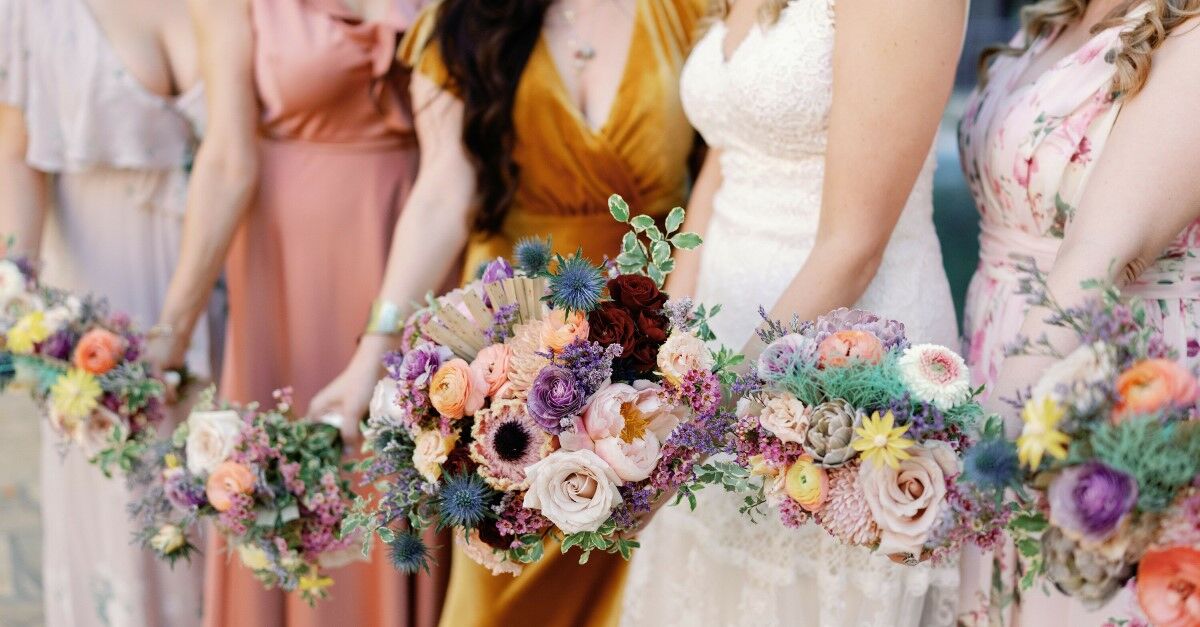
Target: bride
<point>817,194</point>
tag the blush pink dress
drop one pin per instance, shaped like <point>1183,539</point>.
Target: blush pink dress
<point>338,157</point>
<point>1028,150</point>
<point>115,155</point>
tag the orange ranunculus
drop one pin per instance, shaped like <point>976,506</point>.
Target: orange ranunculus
<point>98,351</point>
<point>1153,385</point>
<point>456,390</point>
<point>846,347</point>
<point>228,480</point>
<point>560,329</point>
<point>1168,586</point>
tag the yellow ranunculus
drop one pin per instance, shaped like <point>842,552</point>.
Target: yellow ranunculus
<point>76,394</point>
<point>881,442</point>
<point>807,484</point>
<point>253,557</point>
<point>29,331</point>
<point>1040,434</point>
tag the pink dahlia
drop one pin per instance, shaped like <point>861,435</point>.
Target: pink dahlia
<point>846,515</point>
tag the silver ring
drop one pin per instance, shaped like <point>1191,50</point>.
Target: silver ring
<point>911,560</point>
<point>333,419</point>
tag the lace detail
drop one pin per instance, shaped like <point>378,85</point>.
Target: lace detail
<point>767,108</point>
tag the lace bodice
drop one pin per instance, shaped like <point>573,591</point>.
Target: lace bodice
<point>767,109</point>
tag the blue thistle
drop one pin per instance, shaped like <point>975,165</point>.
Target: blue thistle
<point>464,501</point>
<point>409,553</point>
<point>532,255</point>
<point>992,464</point>
<point>8,370</point>
<point>576,284</point>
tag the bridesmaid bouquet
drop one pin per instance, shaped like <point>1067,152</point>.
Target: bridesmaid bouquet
<point>274,487</point>
<point>852,428</point>
<point>1107,464</point>
<point>550,398</point>
<point>81,364</point>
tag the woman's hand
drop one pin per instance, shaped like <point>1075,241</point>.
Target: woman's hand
<point>348,396</point>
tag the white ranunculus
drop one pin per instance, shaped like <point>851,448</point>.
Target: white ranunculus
<point>12,282</point>
<point>575,490</point>
<point>210,440</point>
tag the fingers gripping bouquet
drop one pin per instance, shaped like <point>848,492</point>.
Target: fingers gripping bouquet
<point>81,363</point>
<point>275,488</point>
<point>550,399</point>
<point>1107,464</point>
<point>852,428</point>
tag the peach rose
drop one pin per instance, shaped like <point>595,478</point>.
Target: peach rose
<point>98,351</point>
<point>682,353</point>
<point>906,501</point>
<point>1153,385</point>
<point>456,390</point>
<point>786,417</point>
<point>491,364</point>
<point>1168,586</point>
<point>560,329</point>
<point>227,481</point>
<point>846,347</point>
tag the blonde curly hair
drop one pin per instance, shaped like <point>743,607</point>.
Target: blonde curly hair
<point>1138,43</point>
<point>768,12</point>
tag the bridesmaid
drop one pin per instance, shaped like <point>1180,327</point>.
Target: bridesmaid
<point>309,156</point>
<point>531,112</point>
<point>1058,176</point>
<point>100,102</point>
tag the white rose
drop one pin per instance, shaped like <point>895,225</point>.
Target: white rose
<point>384,410</point>
<point>432,450</point>
<point>1079,379</point>
<point>253,557</point>
<point>210,440</point>
<point>631,461</point>
<point>12,282</point>
<point>682,353</point>
<point>576,490</point>
<point>168,539</point>
<point>786,417</point>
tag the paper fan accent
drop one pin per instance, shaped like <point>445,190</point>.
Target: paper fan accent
<point>466,334</point>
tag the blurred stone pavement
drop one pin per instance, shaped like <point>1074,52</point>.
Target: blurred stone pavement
<point>20,537</point>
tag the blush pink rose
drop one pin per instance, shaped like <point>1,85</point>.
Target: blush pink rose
<point>846,347</point>
<point>491,364</point>
<point>228,480</point>
<point>906,501</point>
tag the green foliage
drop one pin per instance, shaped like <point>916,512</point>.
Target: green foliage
<point>860,384</point>
<point>736,479</point>
<point>602,539</point>
<point>646,249</point>
<point>1161,457</point>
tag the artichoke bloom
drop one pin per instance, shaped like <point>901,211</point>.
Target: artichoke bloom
<point>1040,434</point>
<point>881,442</point>
<point>76,394</point>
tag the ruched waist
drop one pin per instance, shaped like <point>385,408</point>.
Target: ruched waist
<point>1003,249</point>
<point>375,144</point>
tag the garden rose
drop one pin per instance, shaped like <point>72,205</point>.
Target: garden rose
<point>905,501</point>
<point>609,324</point>
<point>97,431</point>
<point>661,417</point>
<point>682,353</point>
<point>560,329</point>
<point>432,449</point>
<point>623,411</point>
<point>1168,586</point>
<point>1079,380</point>
<point>786,417</point>
<point>385,407</point>
<point>456,390</point>
<point>228,480</point>
<point>846,347</point>
<point>635,292</point>
<point>633,460</point>
<point>169,539</point>
<point>1151,386</point>
<point>1089,502</point>
<point>575,490</point>
<point>98,351</point>
<point>491,364</point>
<point>211,438</point>
<point>604,416</point>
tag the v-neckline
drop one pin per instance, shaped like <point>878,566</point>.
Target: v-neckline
<point>728,57</point>
<point>129,76</point>
<point>569,103</point>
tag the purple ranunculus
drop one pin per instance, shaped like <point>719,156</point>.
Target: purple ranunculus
<point>497,270</point>
<point>1091,500</point>
<point>421,362</point>
<point>553,396</point>
<point>182,493</point>
<point>58,346</point>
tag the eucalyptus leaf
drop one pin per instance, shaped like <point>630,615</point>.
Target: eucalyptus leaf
<point>674,220</point>
<point>660,252</point>
<point>653,272</point>
<point>642,222</point>
<point>629,243</point>
<point>686,241</point>
<point>618,208</point>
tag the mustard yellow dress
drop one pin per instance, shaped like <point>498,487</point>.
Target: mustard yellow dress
<point>568,171</point>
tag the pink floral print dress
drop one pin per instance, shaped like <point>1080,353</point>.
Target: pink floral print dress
<point>1028,147</point>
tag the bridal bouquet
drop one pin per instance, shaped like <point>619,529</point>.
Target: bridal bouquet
<point>273,486</point>
<point>1107,463</point>
<point>81,363</point>
<point>549,398</point>
<point>854,429</point>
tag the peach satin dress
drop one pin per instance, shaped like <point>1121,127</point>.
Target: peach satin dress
<point>568,170</point>
<point>337,158</point>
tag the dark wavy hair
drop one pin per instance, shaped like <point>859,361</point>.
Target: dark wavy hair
<point>485,45</point>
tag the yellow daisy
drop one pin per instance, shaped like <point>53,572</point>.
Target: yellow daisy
<point>881,442</point>
<point>76,394</point>
<point>29,331</point>
<point>312,583</point>
<point>1040,435</point>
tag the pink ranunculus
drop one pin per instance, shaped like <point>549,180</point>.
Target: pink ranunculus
<point>632,461</point>
<point>846,347</point>
<point>491,364</point>
<point>603,417</point>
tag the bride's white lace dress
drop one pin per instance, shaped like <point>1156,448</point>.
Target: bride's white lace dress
<point>767,109</point>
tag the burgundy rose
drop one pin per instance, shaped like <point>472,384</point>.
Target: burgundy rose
<point>610,324</point>
<point>636,293</point>
<point>653,327</point>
